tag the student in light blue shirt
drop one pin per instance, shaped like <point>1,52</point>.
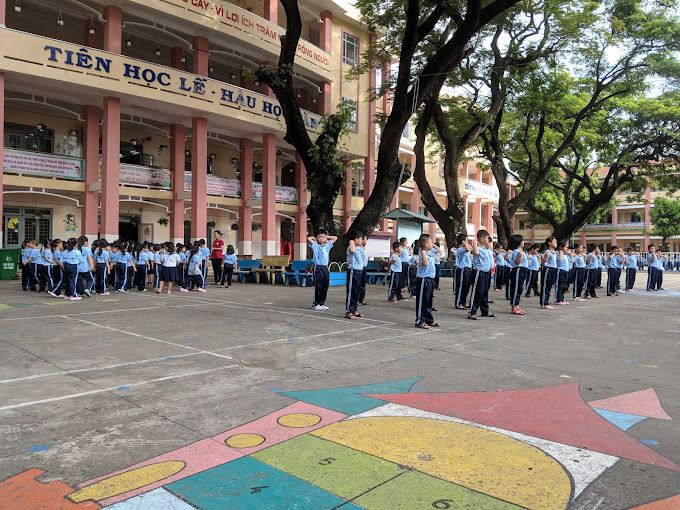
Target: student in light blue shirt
<point>364,270</point>
<point>631,269</point>
<point>130,265</point>
<point>549,276</point>
<point>579,272</point>
<point>614,271</point>
<point>405,253</point>
<point>102,266</point>
<point>562,277</point>
<point>395,262</point>
<point>230,265</point>
<point>463,271</point>
<point>355,265</point>
<point>660,268</point>
<point>195,269</point>
<point>25,268</point>
<point>501,266</point>
<point>425,274</point>
<point>204,252</point>
<point>518,273</point>
<point>142,262</point>
<point>85,268</point>
<point>321,244</point>
<point>534,267</point>
<point>482,262</point>
<point>44,264</point>
<point>72,259</point>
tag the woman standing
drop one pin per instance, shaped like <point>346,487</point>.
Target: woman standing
<point>216,256</point>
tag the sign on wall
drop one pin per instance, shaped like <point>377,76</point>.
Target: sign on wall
<point>43,165</point>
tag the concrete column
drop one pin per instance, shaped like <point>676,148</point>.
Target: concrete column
<point>326,35</point>
<point>3,9</point>
<point>615,220</point>
<point>394,205</point>
<point>347,197</point>
<point>326,106</point>
<point>90,209</point>
<point>477,214</point>
<point>269,236</point>
<point>176,55</point>
<point>199,173</point>
<point>432,229</point>
<point>301,215</point>
<point>271,10</point>
<point>2,130</point>
<point>488,218</point>
<point>415,199</point>
<point>245,224</point>
<point>113,29</point>
<point>200,59</point>
<point>582,236</point>
<point>110,210</point>
<point>177,161</point>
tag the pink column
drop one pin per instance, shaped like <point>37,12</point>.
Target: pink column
<point>347,197</point>
<point>582,236</point>
<point>326,106</point>
<point>110,168</point>
<point>615,220</point>
<point>245,224</point>
<point>301,215</point>
<point>177,161</point>
<point>113,28</point>
<point>394,205</point>
<point>415,195</point>
<point>2,131</point>
<point>90,209</point>
<point>488,220</point>
<point>200,59</point>
<point>269,236</point>
<point>271,8</point>
<point>477,214</point>
<point>199,172</point>
<point>3,8</point>
<point>326,44</point>
<point>176,55</point>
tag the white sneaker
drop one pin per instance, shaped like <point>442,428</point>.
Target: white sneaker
<point>318,308</point>
<point>105,294</point>
<point>51,293</point>
<point>325,307</point>
<point>201,290</point>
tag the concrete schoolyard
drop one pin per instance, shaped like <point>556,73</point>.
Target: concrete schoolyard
<point>577,407</point>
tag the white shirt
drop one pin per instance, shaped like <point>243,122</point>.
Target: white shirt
<point>170,260</point>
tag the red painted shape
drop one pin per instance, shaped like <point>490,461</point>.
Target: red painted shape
<point>557,413</point>
<point>672,503</point>
<point>642,403</point>
<point>23,491</point>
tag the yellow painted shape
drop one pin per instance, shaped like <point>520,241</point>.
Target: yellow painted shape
<point>244,440</point>
<point>479,459</point>
<point>125,482</point>
<point>4,306</point>
<point>299,420</point>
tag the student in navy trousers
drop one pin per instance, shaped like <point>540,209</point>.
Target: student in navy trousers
<point>461,280</point>
<point>549,275</point>
<point>518,273</point>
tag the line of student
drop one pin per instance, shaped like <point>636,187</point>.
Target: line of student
<point>76,269</point>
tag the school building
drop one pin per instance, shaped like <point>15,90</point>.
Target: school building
<point>142,120</point>
<point>627,225</point>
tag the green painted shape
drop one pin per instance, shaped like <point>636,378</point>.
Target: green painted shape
<point>330,466</point>
<point>418,491</point>
<point>349,399</point>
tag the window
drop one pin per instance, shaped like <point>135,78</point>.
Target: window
<point>522,224</point>
<point>350,50</point>
<point>27,223</point>
<point>635,217</point>
<point>30,138</point>
<point>353,119</point>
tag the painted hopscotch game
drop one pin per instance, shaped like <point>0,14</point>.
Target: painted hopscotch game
<point>383,446</point>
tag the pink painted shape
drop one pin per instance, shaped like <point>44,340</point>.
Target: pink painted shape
<point>672,503</point>
<point>268,427</point>
<point>198,456</point>
<point>557,413</point>
<point>641,403</point>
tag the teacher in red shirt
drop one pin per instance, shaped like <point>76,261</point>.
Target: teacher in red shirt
<point>216,256</point>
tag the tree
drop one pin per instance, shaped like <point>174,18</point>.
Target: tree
<point>522,35</point>
<point>665,216</point>
<point>542,121</point>
<point>429,38</point>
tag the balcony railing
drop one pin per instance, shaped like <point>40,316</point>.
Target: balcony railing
<point>633,225</point>
<point>40,164</point>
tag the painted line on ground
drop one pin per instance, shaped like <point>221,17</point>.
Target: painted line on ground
<point>345,346</point>
<point>113,388</point>
<point>137,335</point>
<point>95,312</point>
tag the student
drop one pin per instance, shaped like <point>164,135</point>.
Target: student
<point>499,252</point>
<point>425,273</point>
<point>85,276</point>
<point>660,268</point>
<point>613,271</point>
<point>321,244</point>
<point>141,256</point>
<point>72,258</point>
<point>591,271</point>
<point>394,291</point>
<point>579,272</point>
<point>600,268</point>
<point>412,275</point>
<point>364,270</point>
<point>562,277</point>
<point>534,268</point>
<point>461,280</point>
<point>570,260</point>
<point>121,267</point>
<point>230,265</point>
<point>354,268</point>
<point>437,252</point>
<point>170,260</point>
<point>406,253</point>
<point>102,267</point>
<point>33,257</point>
<point>157,265</point>
<point>43,265</point>
<point>651,268</point>
<point>549,275</point>
<point>25,268</point>
<point>195,270</point>
<point>57,268</point>
<point>631,269</point>
<point>182,269</point>
<point>519,272</point>
<point>482,262</point>
<point>204,252</point>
